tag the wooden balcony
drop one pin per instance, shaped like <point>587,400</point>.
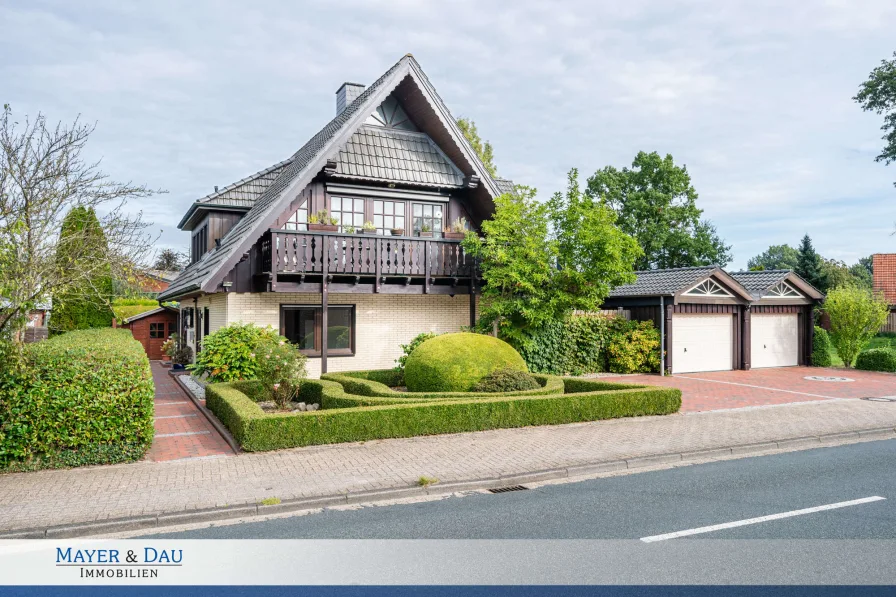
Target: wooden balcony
<point>292,257</point>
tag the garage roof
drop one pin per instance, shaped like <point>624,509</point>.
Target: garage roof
<point>758,283</point>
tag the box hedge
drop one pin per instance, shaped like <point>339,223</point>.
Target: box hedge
<point>337,422</point>
<point>821,348</point>
<point>877,359</point>
<point>84,397</point>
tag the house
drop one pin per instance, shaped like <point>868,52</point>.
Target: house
<point>155,281</point>
<point>393,156</point>
<point>716,321</point>
<point>884,280</point>
<point>152,328</point>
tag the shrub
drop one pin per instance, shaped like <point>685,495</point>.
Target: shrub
<point>256,430</point>
<point>877,359</point>
<point>455,362</point>
<point>183,355</point>
<point>506,380</point>
<point>83,397</point>
<point>821,348</point>
<point>229,354</point>
<point>281,369</point>
<point>633,346</point>
<point>856,316</point>
<point>407,349</point>
<point>575,346</point>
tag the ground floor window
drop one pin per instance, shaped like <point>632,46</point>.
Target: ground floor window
<point>157,330</point>
<point>302,325</point>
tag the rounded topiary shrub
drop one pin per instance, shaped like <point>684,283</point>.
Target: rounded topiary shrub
<point>506,380</point>
<point>456,362</point>
<point>877,359</point>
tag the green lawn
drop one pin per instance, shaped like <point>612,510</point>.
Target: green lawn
<point>876,342</point>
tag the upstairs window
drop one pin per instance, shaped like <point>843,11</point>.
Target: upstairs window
<point>298,220</point>
<point>388,215</point>
<point>427,215</point>
<point>199,244</point>
<point>348,211</point>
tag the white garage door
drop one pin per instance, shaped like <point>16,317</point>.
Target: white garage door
<point>774,340</point>
<point>701,343</point>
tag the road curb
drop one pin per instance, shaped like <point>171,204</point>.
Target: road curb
<point>160,521</point>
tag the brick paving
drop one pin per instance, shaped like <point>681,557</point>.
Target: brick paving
<point>56,497</point>
<point>181,431</point>
<point>762,387</point>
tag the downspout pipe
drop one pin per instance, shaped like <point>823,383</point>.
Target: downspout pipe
<point>662,336</point>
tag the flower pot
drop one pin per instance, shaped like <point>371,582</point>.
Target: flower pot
<point>178,367</point>
<point>397,232</point>
<point>368,231</point>
<point>454,235</point>
<point>426,235</point>
<point>323,227</point>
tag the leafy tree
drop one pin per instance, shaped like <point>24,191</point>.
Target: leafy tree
<point>483,149</point>
<point>540,261</point>
<point>88,305</point>
<point>656,203</point>
<point>42,178</point>
<point>863,272</point>
<point>517,262</point>
<point>809,265</point>
<point>593,254</point>
<point>857,314</point>
<point>878,95</point>
<point>776,257</point>
<point>169,260</point>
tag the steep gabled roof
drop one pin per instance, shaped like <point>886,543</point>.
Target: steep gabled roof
<point>206,274</point>
<point>758,283</point>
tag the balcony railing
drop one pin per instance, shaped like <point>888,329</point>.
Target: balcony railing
<point>286,252</point>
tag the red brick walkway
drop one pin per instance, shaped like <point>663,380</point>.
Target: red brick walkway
<point>762,387</point>
<point>181,429</point>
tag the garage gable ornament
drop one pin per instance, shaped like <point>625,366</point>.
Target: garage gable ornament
<point>782,290</point>
<point>708,288</point>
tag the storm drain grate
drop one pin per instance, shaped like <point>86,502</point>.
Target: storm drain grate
<point>880,398</point>
<point>510,488</point>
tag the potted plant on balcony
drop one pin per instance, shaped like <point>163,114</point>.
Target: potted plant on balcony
<point>368,228</point>
<point>397,231</point>
<point>458,229</point>
<point>426,231</point>
<point>323,222</point>
<point>349,229</point>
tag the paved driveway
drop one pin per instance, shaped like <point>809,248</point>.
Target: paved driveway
<point>761,387</point>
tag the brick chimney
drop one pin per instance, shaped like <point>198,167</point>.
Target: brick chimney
<point>346,94</point>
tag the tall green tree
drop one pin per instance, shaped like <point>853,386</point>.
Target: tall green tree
<point>775,257</point>
<point>82,243</point>
<point>878,95</point>
<point>857,314</point>
<point>863,271</point>
<point>482,148</point>
<point>809,265</point>
<point>540,261</point>
<point>656,204</point>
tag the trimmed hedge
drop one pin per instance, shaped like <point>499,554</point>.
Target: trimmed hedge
<point>455,362</point>
<point>877,359</point>
<point>83,397</point>
<point>506,380</point>
<point>821,348</point>
<point>256,430</point>
<point>377,382</point>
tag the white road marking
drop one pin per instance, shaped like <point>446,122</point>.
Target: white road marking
<point>748,521</point>
<point>746,385</point>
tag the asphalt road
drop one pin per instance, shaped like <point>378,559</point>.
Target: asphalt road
<point>637,506</point>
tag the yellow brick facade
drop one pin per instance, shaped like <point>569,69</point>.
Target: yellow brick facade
<point>382,321</point>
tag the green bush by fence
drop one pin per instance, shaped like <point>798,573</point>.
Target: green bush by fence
<point>821,348</point>
<point>586,401</point>
<point>84,397</point>
<point>877,359</point>
<point>590,343</point>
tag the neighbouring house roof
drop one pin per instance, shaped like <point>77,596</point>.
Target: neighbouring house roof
<point>161,309</point>
<point>374,153</point>
<point>884,267</point>
<point>206,274</point>
<point>758,283</point>
<point>504,185</point>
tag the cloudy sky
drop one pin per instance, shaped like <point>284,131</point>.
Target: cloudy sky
<point>754,97</point>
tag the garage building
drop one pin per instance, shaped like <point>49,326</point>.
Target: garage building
<point>715,321</point>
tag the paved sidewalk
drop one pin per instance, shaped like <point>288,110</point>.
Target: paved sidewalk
<point>181,431</point>
<point>48,498</point>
